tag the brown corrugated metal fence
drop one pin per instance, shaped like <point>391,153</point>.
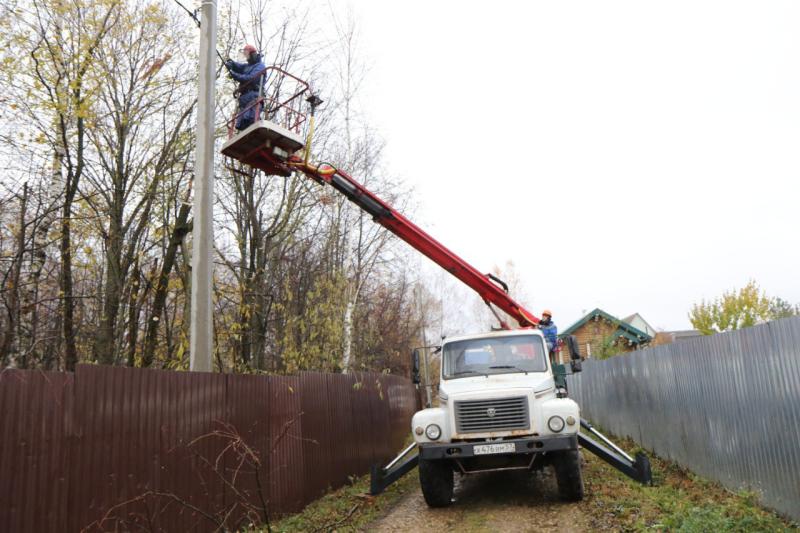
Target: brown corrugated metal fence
<point>112,448</point>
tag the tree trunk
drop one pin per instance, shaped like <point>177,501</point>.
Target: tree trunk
<point>7,344</point>
<point>182,227</point>
<point>133,314</point>
<point>347,334</point>
<point>105,340</point>
<point>68,321</point>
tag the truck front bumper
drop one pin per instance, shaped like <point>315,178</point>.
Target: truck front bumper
<point>460,450</point>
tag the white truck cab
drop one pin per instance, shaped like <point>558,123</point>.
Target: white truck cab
<point>499,409</point>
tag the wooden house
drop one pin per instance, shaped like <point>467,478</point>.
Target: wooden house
<point>600,334</point>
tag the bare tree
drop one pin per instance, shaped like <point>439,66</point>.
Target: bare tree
<point>136,149</point>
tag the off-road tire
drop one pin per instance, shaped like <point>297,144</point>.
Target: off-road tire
<point>436,480</point>
<point>567,465</point>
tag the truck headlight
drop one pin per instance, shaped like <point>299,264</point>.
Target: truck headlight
<point>433,432</point>
<point>556,424</point>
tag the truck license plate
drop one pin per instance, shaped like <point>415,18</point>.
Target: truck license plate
<point>487,449</point>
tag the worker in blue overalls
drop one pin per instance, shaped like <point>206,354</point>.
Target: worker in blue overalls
<point>251,78</point>
<point>550,332</point>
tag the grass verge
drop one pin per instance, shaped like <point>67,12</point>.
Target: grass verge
<point>349,508</point>
<point>679,500</point>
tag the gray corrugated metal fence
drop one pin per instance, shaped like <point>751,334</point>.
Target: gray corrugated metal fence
<point>122,449</point>
<point>726,406</point>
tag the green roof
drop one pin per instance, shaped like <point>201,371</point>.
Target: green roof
<point>631,333</point>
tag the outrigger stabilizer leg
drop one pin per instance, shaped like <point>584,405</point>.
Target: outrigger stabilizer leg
<point>382,477</point>
<point>637,469</point>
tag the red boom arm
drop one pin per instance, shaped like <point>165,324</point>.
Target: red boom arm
<point>386,216</point>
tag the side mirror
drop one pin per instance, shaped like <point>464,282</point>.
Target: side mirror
<point>575,353</point>
<point>415,367</point>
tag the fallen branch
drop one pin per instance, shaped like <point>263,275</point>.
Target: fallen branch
<point>108,516</point>
<point>345,518</point>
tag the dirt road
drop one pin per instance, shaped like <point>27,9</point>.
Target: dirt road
<point>504,501</point>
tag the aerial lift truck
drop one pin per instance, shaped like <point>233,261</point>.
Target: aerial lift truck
<point>503,400</point>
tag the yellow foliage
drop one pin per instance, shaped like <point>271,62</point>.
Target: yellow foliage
<point>313,337</point>
<point>734,310</point>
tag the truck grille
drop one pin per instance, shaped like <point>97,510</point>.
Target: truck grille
<point>497,414</point>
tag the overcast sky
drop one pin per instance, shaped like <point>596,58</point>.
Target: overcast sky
<point>633,156</point>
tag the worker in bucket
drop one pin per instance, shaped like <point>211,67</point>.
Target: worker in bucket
<point>549,330</point>
<point>251,78</point>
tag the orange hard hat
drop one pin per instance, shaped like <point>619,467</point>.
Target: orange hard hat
<point>547,312</point>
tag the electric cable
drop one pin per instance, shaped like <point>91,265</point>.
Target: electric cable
<point>193,15</point>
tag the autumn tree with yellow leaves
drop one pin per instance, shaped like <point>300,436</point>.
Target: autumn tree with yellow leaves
<point>737,309</point>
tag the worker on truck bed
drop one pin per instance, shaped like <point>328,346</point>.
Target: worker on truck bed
<point>250,76</point>
<point>550,331</point>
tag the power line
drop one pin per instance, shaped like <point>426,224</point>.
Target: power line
<point>193,15</point>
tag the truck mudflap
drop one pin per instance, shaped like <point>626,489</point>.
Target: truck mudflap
<point>637,469</point>
<point>382,477</point>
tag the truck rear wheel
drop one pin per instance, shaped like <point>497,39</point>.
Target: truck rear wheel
<point>567,465</point>
<point>436,480</point>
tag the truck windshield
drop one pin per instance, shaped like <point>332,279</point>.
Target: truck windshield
<point>498,355</point>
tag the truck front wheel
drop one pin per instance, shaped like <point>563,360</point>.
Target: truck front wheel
<point>436,480</point>
<point>567,465</point>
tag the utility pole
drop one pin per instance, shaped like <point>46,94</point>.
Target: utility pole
<point>427,363</point>
<point>201,335</point>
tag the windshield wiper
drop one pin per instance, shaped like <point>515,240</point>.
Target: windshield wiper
<point>512,367</point>
<point>462,372</point>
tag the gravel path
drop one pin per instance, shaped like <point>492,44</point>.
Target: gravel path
<point>501,501</point>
